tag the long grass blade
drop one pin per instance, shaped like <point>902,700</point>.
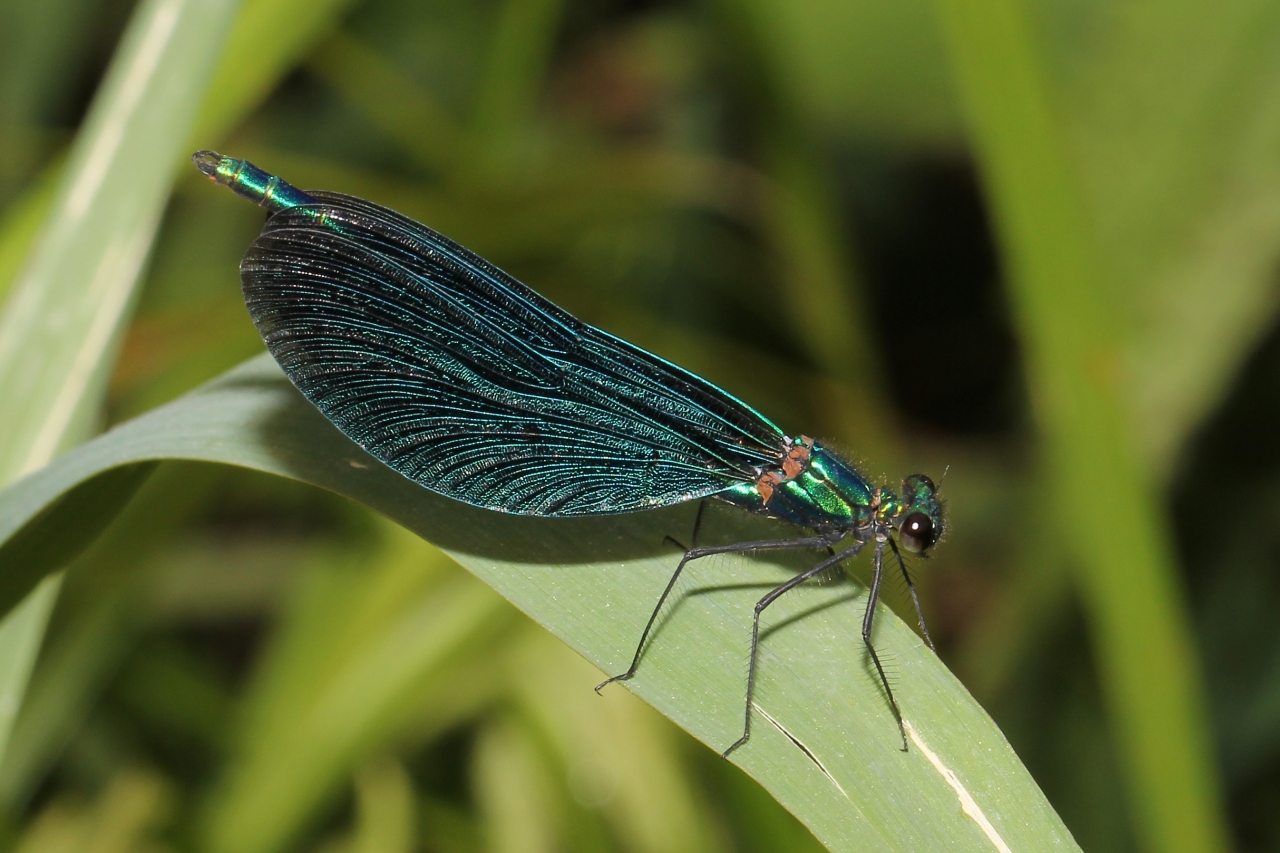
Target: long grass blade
<point>1141,634</point>
<point>62,322</point>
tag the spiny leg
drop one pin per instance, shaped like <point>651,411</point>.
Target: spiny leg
<point>697,553</point>
<point>774,595</point>
<point>924,629</point>
<point>867,620</point>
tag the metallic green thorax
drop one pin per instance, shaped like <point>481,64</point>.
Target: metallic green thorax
<point>248,181</point>
<point>829,493</point>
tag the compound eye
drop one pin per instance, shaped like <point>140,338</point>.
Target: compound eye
<point>916,532</point>
<point>929,483</point>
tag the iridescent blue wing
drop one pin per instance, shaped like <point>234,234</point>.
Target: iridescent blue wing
<point>466,381</point>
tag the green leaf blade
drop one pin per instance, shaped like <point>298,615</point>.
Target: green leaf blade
<point>592,582</point>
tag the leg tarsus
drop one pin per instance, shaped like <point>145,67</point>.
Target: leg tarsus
<point>697,553</point>
<point>737,743</point>
<point>868,620</point>
<point>653,617</point>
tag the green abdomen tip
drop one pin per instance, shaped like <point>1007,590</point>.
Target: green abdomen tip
<point>248,181</point>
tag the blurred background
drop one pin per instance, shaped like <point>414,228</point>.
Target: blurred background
<point>779,195</point>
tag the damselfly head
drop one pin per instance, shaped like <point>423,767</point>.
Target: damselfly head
<point>922,523</point>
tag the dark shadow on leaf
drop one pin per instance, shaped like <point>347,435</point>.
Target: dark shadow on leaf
<point>774,627</point>
<point>64,528</point>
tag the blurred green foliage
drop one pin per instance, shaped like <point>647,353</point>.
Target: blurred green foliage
<point>781,196</point>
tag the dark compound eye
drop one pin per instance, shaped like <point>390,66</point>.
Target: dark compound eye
<point>916,532</point>
<point>923,479</point>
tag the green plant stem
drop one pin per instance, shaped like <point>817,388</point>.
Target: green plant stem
<point>1109,509</point>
